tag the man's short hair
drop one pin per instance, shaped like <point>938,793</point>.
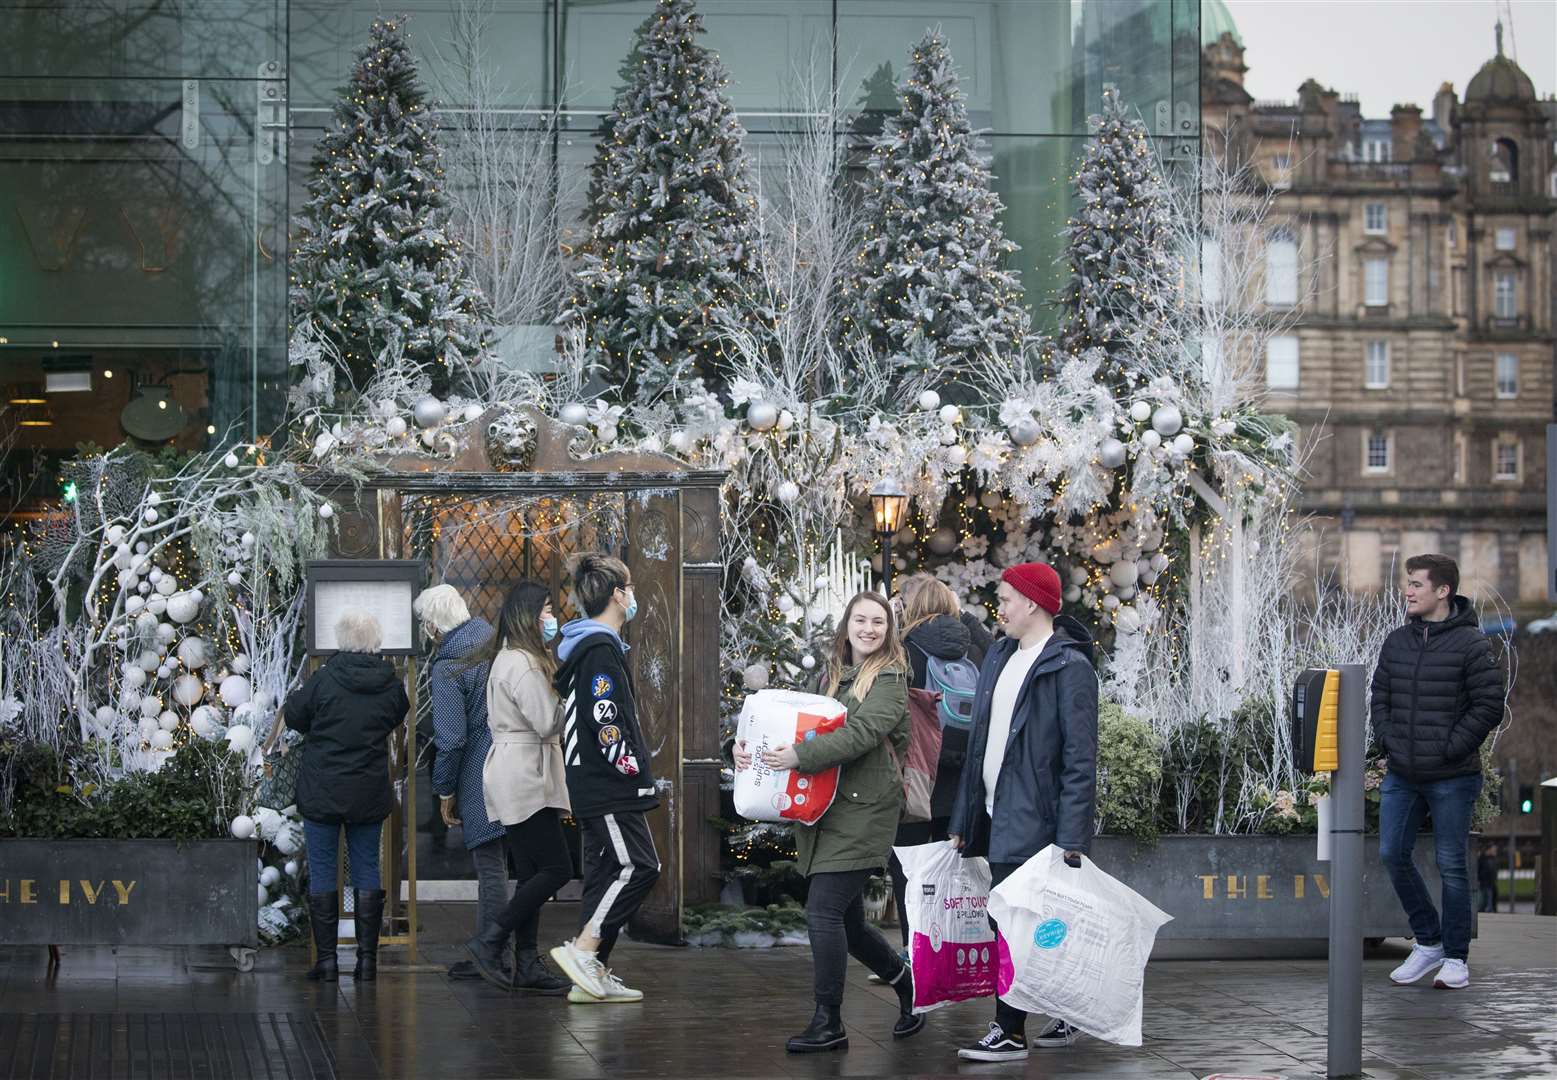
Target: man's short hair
<point>1441,570</point>
<point>596,576</point>
<point>358,632</point>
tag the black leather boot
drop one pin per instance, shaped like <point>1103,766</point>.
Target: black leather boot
<point>323,915</point>
<point>908,1022</point>
<point>487,949</point>
<point>824,1032</point>
<point>532,976</point>
<point>369,917</point>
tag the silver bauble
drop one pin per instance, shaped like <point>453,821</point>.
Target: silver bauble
<point>762,416</point>
<point>1167,420</point>
<point>573,414</point>
<point>429,412</point>
<point>1025,431</point>
<point>943,541</point>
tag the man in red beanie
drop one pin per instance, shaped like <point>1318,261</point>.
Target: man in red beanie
<point>1030,777</point>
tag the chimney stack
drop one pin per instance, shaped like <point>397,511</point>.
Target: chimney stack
<point>1405,123</point>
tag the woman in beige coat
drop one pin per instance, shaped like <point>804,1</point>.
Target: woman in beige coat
<point>524,784</point>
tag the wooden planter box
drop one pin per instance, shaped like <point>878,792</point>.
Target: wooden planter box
<point>1257,887</point>
<point>129,892</point>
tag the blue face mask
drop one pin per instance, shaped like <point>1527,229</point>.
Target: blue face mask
<point>548,628</point>
<point>632,608</point>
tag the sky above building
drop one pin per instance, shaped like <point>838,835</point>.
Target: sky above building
<point>1389,52</point>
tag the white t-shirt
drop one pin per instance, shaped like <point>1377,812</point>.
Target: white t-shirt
<point>1002,705</point>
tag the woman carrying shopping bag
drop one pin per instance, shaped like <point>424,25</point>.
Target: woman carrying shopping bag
<point>523,784</point>
<point>867,672</point>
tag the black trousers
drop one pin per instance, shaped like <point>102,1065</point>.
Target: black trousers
<point>1012,1021</point>
<point>542,865</point>
<point>911,834</point>
<point>620,867</point>
<point>835,917</point>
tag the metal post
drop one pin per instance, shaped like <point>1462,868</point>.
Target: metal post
<point>1346,853</point>
<point>886,564</point>
<point>1511,811</point>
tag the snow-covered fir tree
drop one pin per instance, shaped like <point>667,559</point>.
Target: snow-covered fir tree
<point>670,267</point>
<point>929,289</point>
<point>375,268</point>
<point>1119,247</point>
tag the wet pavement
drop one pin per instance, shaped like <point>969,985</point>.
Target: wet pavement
<point>726,1013</point>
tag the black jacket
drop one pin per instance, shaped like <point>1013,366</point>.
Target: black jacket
<point>603,748</point>
<point>1047,792</point>
<point>979,637</point>
<point>1437,694</point>
<point>947,638</point>
<point>347,710</point>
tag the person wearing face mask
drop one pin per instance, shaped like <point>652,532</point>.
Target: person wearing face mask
<point>523,785</point>
<point>868,673</point>
<point>608,771</point>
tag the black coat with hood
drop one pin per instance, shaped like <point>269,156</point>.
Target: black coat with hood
<point>347,710</point>
<point>1437,694</point>
<point>944,637</point>
<point>1047,791</point>
<point>604,750</point>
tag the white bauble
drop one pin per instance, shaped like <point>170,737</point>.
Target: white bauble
<point>128,582</point>
<point>1160,561</point>
<point>247,539</point>
<point>115,535</point>
<point>1110,603</point>
<point>163,670</point>
<point>1078,575</point>
<point>943,541</point>
<point>786,420</point>
<point>155,575</point>
<point>151,706</point>
<point>787,492</point>
<point>203,721</point>
<point>1025,431</point>
<point>269,877</point>
<point>1127,620</point>
<point>950,414</point>
<point>607,433</point>
<point>957,456</point>
<point>157,605</point>
<point>395,427</point>
<point>1149,578</point>
<point>133,604</point>
<point>167,720</point>
<point>240,663</point>
<point>167,585</point>
<point>948,436</point>
<point>326,511</point>
<point>1140,412</point>
<point>680,441</point>
<point>144,588</point>
<point>1183,444</point>
<point>106,716</point>
<point>264,700</point>
<point>929,401</point>
<point>146,624</point>
<point>192,653</point>
<point>231,461</point>
<point>289,839</point>
<point>1223,428</point>
<point>1072,593</point>
<point>1167,420</point>
<point>574,414</point>
<point>429,412</point>
<point>471,412</point>
<point>235,691</point>
<point>146,727</point>
<point>234,579</point>
<point>154,499</point>
<point>188,689</point>
<point>268,822</point>
<point>1126,593</point>
<point>1111,454</point>
<point>755,677</point>
<point>291,868</point>
<point>762,416</point>
<point>130,702</point>
<point>183,608</point>
<point>141,548</point>
<point>429,439</point>
<point>162,740</point>
<point>1151,440</point>
<point>785,603</point>
<point>134,677</point>
<point>1123,573</point>
<point>240,737</point>
<point>808,661</point>
<point>148,661</point>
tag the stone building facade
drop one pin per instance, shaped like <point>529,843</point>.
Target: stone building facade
<point>1413,258</point>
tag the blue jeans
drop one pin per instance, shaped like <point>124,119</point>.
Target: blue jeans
<point>1402,807</point>
<point>324,845</point>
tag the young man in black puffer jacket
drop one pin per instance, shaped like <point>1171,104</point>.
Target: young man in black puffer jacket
<point>1437,695</point>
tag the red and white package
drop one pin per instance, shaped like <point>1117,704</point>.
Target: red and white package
<point>774,718</point>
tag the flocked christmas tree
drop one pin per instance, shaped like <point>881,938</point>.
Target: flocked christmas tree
<point>929,289</point>
<point>1119,247</point>
<point>375,268</point>
<point>670,266</point>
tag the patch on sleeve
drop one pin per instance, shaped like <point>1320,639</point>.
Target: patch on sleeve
<point>610,735</point>
<point>605,711</point>
<point>601,686</point>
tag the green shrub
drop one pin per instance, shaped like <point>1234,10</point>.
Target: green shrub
<point>1129,774</point>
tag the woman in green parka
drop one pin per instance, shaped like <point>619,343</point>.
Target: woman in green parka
<point>868,673</point>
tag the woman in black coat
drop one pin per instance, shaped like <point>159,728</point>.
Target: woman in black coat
<point>347,710</point>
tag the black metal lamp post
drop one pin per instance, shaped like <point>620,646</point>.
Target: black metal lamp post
<point>888,503</point>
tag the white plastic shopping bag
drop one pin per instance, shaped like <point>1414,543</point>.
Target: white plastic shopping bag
<point>950,944</point>
<point>774,718</point>
<point>1074,944</point>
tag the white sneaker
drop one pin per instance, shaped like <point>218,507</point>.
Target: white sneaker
<point>584,968</point>
<point>1423,959</point>
<point>618,991</point>
<point>1454,975</point>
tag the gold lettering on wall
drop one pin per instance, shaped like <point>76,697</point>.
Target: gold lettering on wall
<point>1299,885</point>
<point>123,890</point>
<point>89,892</point>
<point>5,891</point>
<point>1262,887</point>
<point>1208,886</point>
<point>1323,885</point>
<point>64,890</point>
<point>28,896</point>
<point>1237,887</point>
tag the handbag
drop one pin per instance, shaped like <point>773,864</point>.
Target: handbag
<point>924,754</point>
<point>278,777</point>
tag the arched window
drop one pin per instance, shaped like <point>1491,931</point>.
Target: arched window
<point>1503,164</point>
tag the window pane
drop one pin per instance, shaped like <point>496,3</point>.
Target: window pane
<point>1375,218</point>
<point>1037,209</point>
<point>1281,363</point>
<point>1281,270</point>
<point>1505,239</point>
<point>1378,364</point>
<point>1377,282</point>
<point>1507,460</point>
<point>1378,451</point>
<point>1507,375</point>
<point>1503,301</point>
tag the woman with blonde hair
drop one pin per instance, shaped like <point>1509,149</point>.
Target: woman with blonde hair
<point>867,672</point>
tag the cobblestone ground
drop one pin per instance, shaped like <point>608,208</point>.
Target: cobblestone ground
<point>724,1013</point>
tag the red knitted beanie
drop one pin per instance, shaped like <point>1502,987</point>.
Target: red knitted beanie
<point>1037,581</point>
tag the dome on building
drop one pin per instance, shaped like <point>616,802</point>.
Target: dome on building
<point>1216,20</point>
<point>1500,79</point>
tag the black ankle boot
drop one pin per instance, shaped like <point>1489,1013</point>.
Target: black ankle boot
<point>908,1021</point>
<point>532,976</point>
<point>824,1032</point>
<point>487,949</point>
<point>323,915</point>
<point>369,916</point>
